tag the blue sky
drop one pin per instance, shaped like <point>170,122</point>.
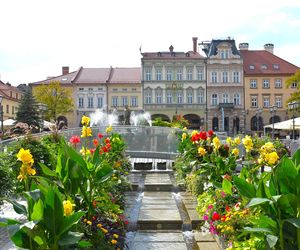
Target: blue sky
<point>39,37</point>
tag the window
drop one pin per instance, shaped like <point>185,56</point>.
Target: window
<point>200,74</point>
<point>253,84</point>
<point>190,96</point>
<point>214,99</point>
<point>148,75</point>
<point>169,75</point>
<point>278,83</point>
<point>214,78</point>
<point>225,98</point>
<point>251,66</point>
<point>7,108</point>
<point>100,89</point>
<point>90,102</point>
<point>115,90</point>
<point>91,89</point>
<point>224,54</point>
<point>278,101</point>
<point>200,96</point>
<point>169,97</point>
<point>264,66</point>
<point>236,99</point>
<point>148,97</point>
<point>179,97</point>
<point>133,89</point>
<point>266,101</point>
<point>114,101</point>
<point>225,77</point>
<point>13,110</point>
<point>294,85</point>
<point>158,96</point>
<point>158,75</point>
<point>253,101</point>
<point>80,102</point>
<point>266,84</point>
<point>275,66</point>
<point>179,74</point>
<point>190,75</point>
<point>10,93</point>
<point>124,90</point>
<point>124,101</point>
<point>99,101</point>
<point>134,101</point>
<point>236,77</point>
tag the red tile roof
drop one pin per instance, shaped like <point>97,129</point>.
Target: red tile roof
<point>257,62</point>
<point>126,75</point>
<point>93,75</point>
<point>64,79</point>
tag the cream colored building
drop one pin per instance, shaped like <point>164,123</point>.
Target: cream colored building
<point>265,87</point>
<point>11,97</point>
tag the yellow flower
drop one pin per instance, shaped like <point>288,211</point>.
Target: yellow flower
<point>30,171</point>
<point>114,242</point>
<point>184,129</point>
<point>25,170</point>
<point>108,129</point>
<point>194,133</point>
<point>84,151</point>
<point>183,137</point>
<point>272,158</point>
<point>86,131</point>
<point>85,120</point>
<point>237,140</point>
<point>68,207</point>
<point>228,140</point>
<point>99,225</point>
<point>89,222</point>
<point>216,142</point>
<point>247,141</point>
<point>201,151</point>
<point>235,151</point>
<point>267,147</point>
<point>104,230</point>
<point>25,156</point>
<point>116,236</point>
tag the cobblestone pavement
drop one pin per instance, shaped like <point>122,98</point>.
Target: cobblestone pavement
<point>7,211</point>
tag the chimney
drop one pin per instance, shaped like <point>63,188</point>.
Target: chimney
<point>244,46</point>
<point>171,48</point>
<point>195,39</point>
<point>65,70</point>
<point>269,47</point>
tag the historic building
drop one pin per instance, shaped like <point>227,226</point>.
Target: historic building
<point>225,86</point>
<point>11,97</point>
<point>266,95</point>
<point>174,84</point>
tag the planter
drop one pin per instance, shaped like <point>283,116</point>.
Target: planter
<point>143,165</point>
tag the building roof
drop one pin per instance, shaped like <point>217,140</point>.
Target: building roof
<point>211,49</point>
<point>125,75</point>
<point>258,62</point>
<point>64,79</point>
<point>5,91</point>
<point>167,55</point>
<point>93,75</point>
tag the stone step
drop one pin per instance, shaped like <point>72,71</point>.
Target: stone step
<point>158,182</point>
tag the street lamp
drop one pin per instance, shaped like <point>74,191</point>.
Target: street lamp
<point>1,115</point>
<point>258,114</point>
<point>292,106</point>
<point>42,108</point>
<point>273,110</point>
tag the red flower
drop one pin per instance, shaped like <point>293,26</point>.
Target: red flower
<point>75,140</point>
<point>203,135</point>
<point>223,218</point>
<point>100,135</point>
<point>92,150</point>
<point>107,140</point>
<point>195,137</point>
<point>108,146</point>
<point>216,216</point>
<point>126,222</point>
<point>227,208</point>
<point>95,141</point>
<point>210,133</point>
<point>105,149</point>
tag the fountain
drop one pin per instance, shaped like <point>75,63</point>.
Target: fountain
<point>140,119</point>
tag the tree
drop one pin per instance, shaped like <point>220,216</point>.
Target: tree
<point>28,110</point>
<point>58,99</point>
<point>294,79</point>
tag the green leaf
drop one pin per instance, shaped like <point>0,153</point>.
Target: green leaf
<point>261,192</point>
<point>69,221</point>
<point>286,173</point>
<point>96,157</point>
<point>227,186</point>
<point>103,172</point>
<point>257,230</point>
<point>257,201</point>
<point>246,189</point>
<point>38,211</point>
<point>70,238</point>
<point>84,244</point>
<point>74,155</point>
<point>272,240</point>
<point>294,221</point>
<point>19,208</point>
<point>296,157</point>
<point>288,204</point>
<point>38,240</point>
<point>46,170</point>
<point>266,222</point>
<point>34,194</point>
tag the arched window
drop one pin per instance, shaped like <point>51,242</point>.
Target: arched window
<point>215,124</point>
<point>257,124</point>
<point>276,119</point>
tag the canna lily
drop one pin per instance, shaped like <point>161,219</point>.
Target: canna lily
<point>68,207</point>
<point>85,120</point>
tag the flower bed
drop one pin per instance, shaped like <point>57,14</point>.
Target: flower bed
<point>252,209</point>
<point>78,202</point>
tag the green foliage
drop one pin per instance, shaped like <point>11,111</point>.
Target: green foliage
<point>6,178</point>
<point>57,98</point>
<point>28,111</point>
<point>159,122</point>
<point>295,96</point>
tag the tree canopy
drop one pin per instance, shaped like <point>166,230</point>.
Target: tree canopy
<point>58,99</point>
<point>294,79</point>
<point>28,110</point>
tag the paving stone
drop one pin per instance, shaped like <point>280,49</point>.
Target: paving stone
<point>202,236</point>
<point>208,246</point>
<point>159,236</point>
<point>158,206</point>
<point>159,215</point>
<point>158,246</point>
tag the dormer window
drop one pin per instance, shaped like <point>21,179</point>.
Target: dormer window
<point>64,79</point>
<point>275,66</point>
<point>251,66</point>
<point>224,54</point>
<point>187,54</point>
<point>264,66</point>
<point>159,54</point>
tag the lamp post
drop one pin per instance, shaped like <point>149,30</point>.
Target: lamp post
<point>1,115</point>
<point>42,108</point>
<point>292,106</point>
<point>273,110</point>
<point>258,113</point>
